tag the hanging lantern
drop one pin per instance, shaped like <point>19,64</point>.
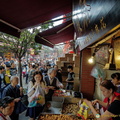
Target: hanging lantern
<point>117,52</point>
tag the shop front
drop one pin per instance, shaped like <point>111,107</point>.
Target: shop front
<point>97,27</point>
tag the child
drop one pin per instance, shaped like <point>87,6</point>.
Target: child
<point>70,79</point>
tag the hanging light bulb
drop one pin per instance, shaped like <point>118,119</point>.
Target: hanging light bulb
<point>118,57</point>
<point>91,60</point>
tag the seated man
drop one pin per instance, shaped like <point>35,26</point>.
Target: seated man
<point>52,82</point>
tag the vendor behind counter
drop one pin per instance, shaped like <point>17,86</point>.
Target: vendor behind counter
<point>52,82</point>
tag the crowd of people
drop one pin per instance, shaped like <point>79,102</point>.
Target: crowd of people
<point>41,80</point>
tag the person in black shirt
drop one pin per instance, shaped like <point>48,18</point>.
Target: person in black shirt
<point>2,80</point>
<point>70,79</point>
<point>58,73</point>
<point>113,111</point>
<point>15,91</point>
<point>52,82</point>
<point>113,105</point>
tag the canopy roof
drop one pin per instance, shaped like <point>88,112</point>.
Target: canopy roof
<point>58,34</point>
<point>16,15</point>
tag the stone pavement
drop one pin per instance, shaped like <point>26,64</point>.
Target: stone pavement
<point>22,115</point>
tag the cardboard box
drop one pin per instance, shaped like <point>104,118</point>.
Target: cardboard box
<point>68,63</point>
<point>60,64</point>
<point>64,69</point>
<point>76,78</point>
<point>77,61</point>
<point>77,57</point>
<point>71,100</point>
<point>76,70</point>
<point>70,59</point>
<point>76,84</point>
<point>64,80</point>
<point>62,59</point>
<point>77,75</point>
<point>65,73</point>
<point>69,55</point>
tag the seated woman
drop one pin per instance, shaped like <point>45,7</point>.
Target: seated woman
<point>113,102</point>
<point>52,82</point>
<point>116,81</point>
<point>6,108</point>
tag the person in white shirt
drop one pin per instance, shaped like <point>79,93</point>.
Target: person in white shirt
<point>36,89</point>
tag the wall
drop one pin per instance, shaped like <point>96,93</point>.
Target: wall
<point>87,81</point>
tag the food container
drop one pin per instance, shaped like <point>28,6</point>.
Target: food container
<point>58,99</point>
<point>53,110</point>
<point>53,107</point>
<point>56,104</point>
<point>71,100</point>
<point>71,109</point>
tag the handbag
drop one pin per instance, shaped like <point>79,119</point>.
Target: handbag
<point>20,107</point>
<point>24,100</point>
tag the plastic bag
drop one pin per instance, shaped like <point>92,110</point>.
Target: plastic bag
<point>37,98</point>
<point>97,72</point>
<point>83,112</point>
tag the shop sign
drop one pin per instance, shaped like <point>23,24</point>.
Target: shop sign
<point>94,18</point>
<point>94,34</point>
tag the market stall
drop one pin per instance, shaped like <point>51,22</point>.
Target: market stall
<point>65,105</point>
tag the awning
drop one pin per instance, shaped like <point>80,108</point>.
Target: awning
<point>9,30</point>
<point>58,34</point>
<point>16,15</point>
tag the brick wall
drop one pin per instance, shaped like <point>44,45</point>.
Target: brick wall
<point>87,81</point>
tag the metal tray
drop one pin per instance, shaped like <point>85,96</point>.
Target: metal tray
<point>58,99</point>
